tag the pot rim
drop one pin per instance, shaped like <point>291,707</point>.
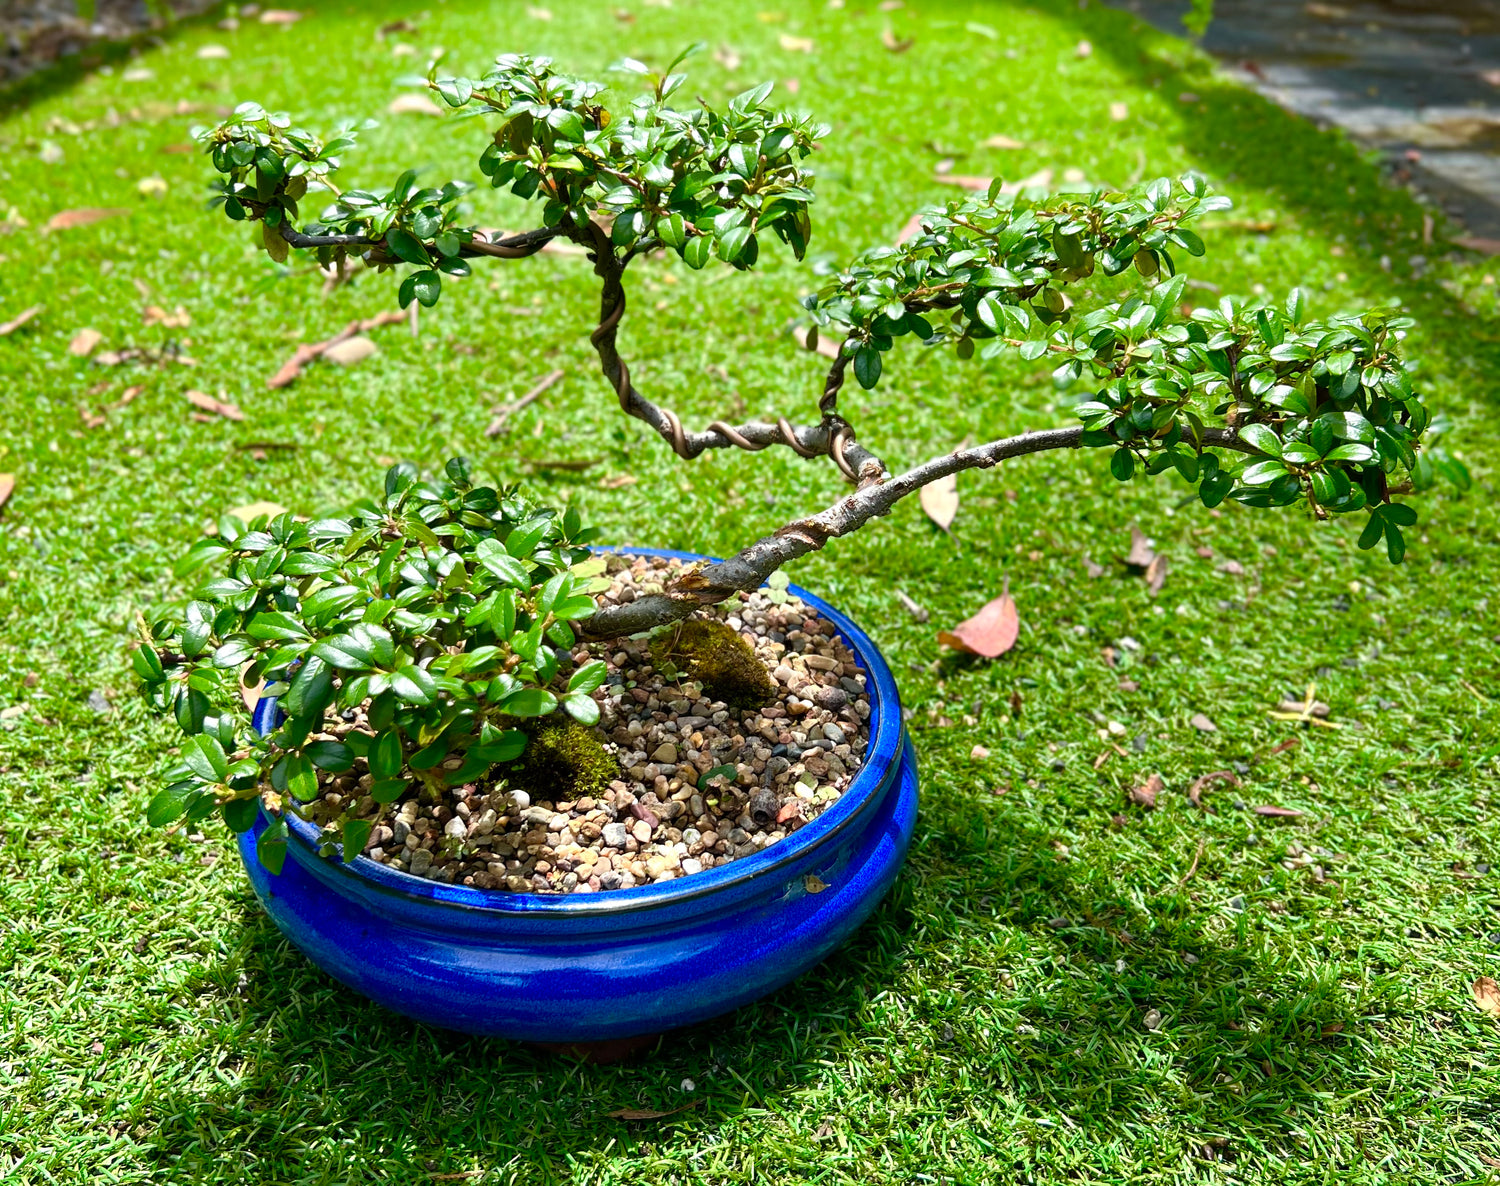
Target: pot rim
<point>882,751</point>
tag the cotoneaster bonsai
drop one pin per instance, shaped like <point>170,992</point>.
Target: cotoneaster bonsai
<point>526,737</point>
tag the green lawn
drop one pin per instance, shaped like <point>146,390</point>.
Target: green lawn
<point>988,1024</point>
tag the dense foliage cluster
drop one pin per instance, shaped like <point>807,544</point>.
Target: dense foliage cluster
<point>445,609</point>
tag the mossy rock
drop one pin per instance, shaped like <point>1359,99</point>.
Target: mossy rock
<point>714,654</point>
<point>563,760</point>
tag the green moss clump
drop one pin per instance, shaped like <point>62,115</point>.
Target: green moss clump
<point>714,654</point>
<point>563,760</point>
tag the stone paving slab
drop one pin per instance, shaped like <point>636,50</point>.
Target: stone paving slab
<point>1418,79</point>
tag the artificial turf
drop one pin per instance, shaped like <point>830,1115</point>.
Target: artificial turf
<point>1311,974</point>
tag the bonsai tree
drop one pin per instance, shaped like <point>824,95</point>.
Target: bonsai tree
<point>452,609</point>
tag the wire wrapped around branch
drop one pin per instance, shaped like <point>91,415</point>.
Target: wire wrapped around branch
<point>832,437</point>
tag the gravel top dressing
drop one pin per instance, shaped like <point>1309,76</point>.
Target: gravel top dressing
<point>705,751</point>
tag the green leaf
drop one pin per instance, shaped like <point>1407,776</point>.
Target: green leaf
<point>240,814</point>
<point>867,366</point>
<point>312,688</point>
<point>493,555</point>
<point>1262,472</point>
<point>388,790</point>
<point>333,756</point>
<point>581,707</point>
<point>530,702</point>
<point>1351,452</point>
<point>726,771</point>
<point>385,756</point>
<point>1395,543</point>
<point>147,663</point>
<point>427,286</point>
<point>1122,464</point>
<point>414,685</point>
<point>697,250</point>
<point>1258,436</point>
<point>273,624</point>
<point>1399,512</point>
<point>405,245</point>
<point>270,847</point>
<point>589,677</point>
<point>205,757</point>
<point>301,778</point>
<point>170,802</point>
<point>356,834</point>
<point>1370,536</point>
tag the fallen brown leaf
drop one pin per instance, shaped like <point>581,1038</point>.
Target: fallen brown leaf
<point>1156,575</point>
<point>910,229</point>
<point>727,57</point>
<point>1094,571</point>
<point>1487,995</point>
<point>351,350</point>
<point>791,810</point>
<point>814,884</point>
<point>1141,553</point>
<point>83,342</point>
<point>618,481</point>
<point>413,104</point>
<point>1317,708</point>
<point>201,399</point>
<point>19,320</point>
<point>156,315</point>
<point>896,45</point>
<point>1202,723</point>
<point>67,219</point>
<point>1040,179</point>
<point>1278,812</point>
<point>565,465</point>
<point>1084,50</point>
<point>1195,791</point>
<point>254,510</point>
<point>1118,112</point>
<point>1333,1027</point>
<point>939,500</point>
<point>7,484</point>
<point>978,754</point>
<point>648,1113</point>
<point>1145,794</point>
<point>991,632</point>
<point>279,16</point>
<point>796,45</point>
<point>1001,142</point>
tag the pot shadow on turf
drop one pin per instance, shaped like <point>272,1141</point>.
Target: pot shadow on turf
<point>915,994</point>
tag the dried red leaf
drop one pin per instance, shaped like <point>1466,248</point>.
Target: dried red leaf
<point>991,632</point>
<point>1145,794</point>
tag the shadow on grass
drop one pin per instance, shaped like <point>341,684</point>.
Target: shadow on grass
<point>1242,1032</point>
<point>1318,177</point>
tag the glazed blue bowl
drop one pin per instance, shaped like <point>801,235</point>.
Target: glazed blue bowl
<point>618,964</point>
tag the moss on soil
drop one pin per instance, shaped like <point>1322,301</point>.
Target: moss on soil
<point>714,654</point>
<point>563,761</point>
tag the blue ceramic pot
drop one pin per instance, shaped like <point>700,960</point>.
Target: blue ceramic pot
<point>592,967</point>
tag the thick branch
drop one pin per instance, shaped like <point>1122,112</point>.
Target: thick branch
<point>832,436</point>
<point>749,569</point>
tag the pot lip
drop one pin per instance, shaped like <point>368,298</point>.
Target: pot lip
<point>882,753</point>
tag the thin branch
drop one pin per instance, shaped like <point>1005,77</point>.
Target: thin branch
<point>833,436</point>
<point>504,412</point>
<point>515,247</point>
<point>749,569</point>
